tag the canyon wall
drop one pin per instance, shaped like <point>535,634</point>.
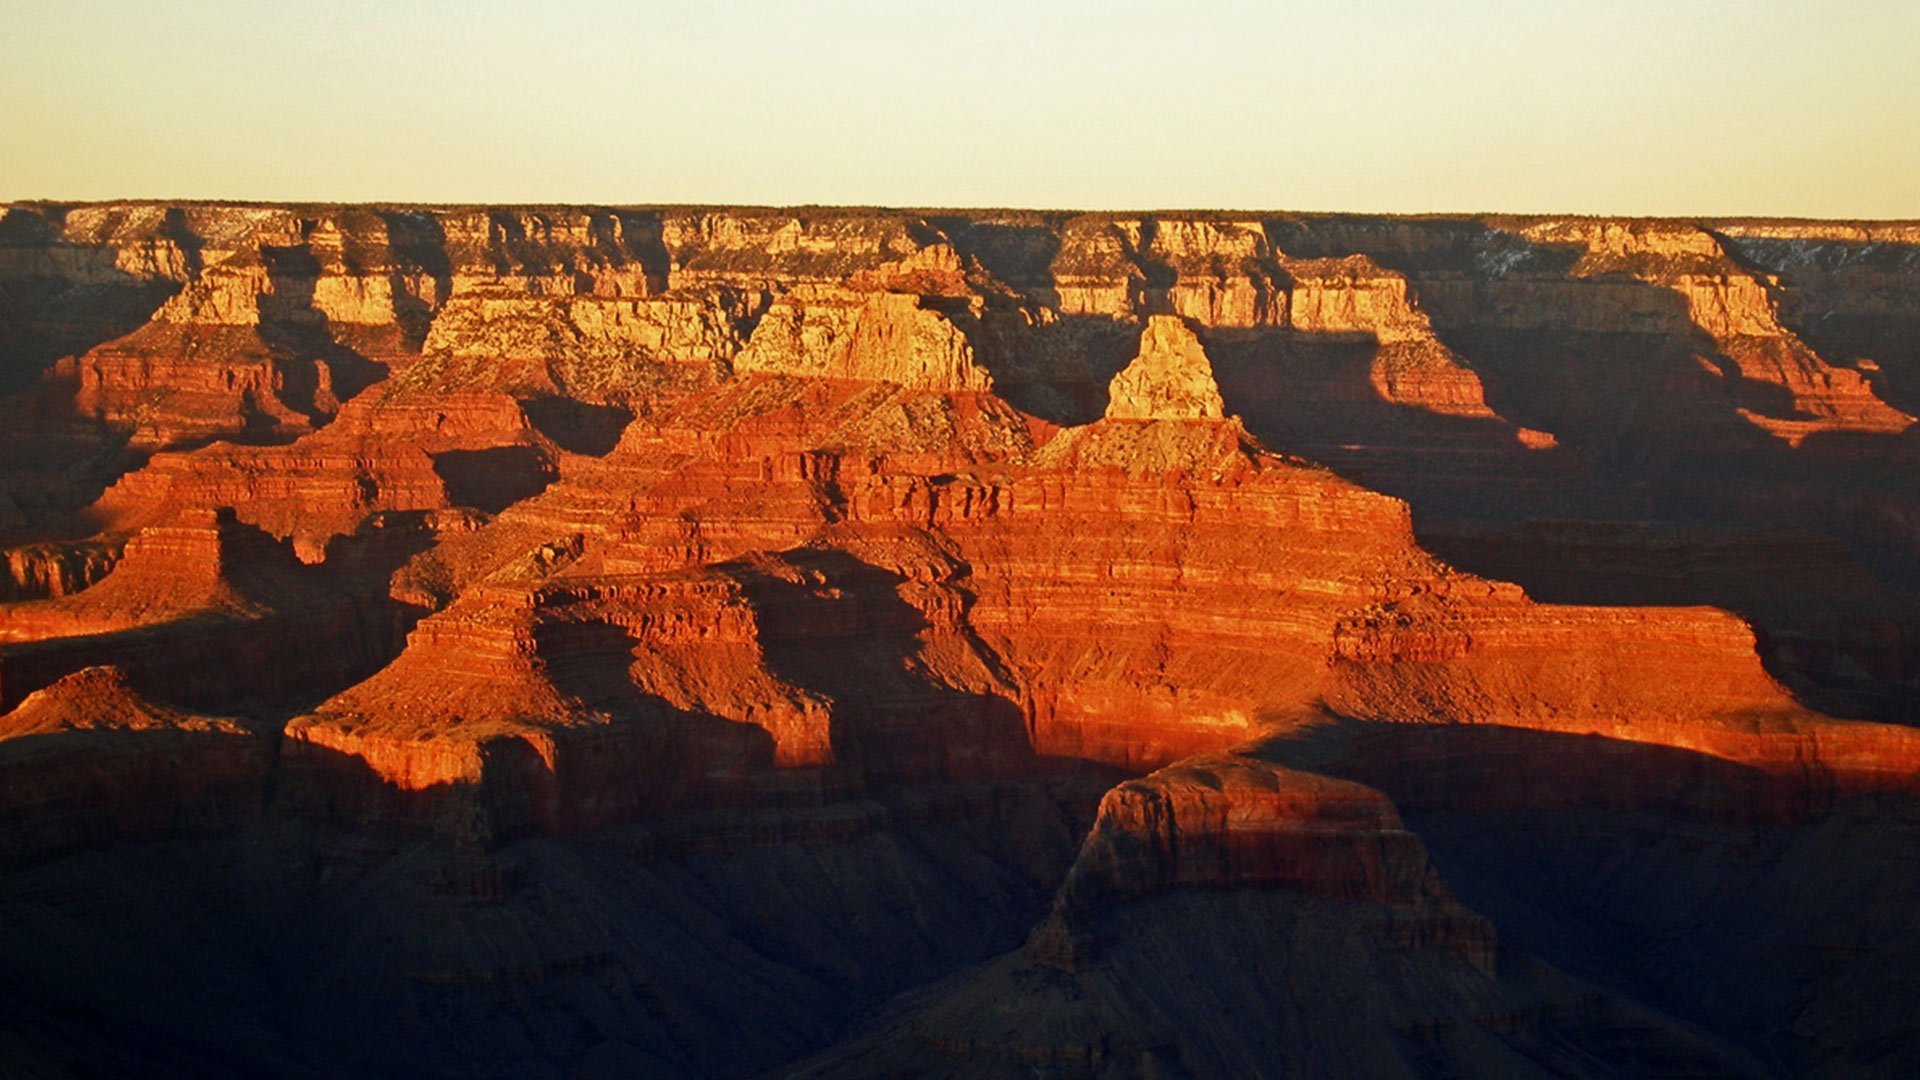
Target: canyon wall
<point>979,607</point>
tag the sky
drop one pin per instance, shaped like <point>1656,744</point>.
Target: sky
<point>1656,107</point>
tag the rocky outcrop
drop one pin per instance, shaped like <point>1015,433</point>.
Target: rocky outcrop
<point>1824,626</point>
<point>204,610</point>
<point>884,336</point>
<point>49,569</point>
<point>1738,311</point>
<point>399,454</point>
<point>86,761</point>
<point>1334,298</point>
<point>559,710</point>
<point>1171,379</point>
<point>199,564</point>
<point>590,347</point>
<point>761,250</point>
<point>1231,822</point>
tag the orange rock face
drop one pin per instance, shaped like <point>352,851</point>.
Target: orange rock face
<point>1226,822</point>
<point>829,600</point>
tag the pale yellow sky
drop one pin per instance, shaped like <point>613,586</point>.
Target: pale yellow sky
<point>1608,106</point>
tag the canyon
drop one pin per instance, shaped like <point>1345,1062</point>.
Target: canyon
<point>593,642</point>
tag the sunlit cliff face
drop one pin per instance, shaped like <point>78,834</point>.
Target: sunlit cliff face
<point>629,622</point>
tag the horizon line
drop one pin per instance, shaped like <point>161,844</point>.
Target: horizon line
<point>925,209</point>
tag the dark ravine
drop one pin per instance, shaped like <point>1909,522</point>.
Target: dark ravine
<point>578,641</point>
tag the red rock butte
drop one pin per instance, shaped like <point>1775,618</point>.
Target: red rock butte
<point>699,642</point>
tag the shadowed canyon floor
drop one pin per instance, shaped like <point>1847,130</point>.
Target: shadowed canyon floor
<point>582,642</point>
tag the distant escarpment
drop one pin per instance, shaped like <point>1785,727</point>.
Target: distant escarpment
<point>692,642</point>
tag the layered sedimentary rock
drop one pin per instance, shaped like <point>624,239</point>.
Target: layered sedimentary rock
<point>887,336</point>
<point>1231,822</point>
<point>1737,310</point>
<point>1157,603</point>
<point>1171,379</point>
<point>204,608</point>
<point>1837,636</point>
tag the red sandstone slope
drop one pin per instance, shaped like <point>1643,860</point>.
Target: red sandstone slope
<point>708,530</point>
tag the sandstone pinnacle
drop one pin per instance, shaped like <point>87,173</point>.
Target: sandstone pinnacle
<point>1170,379</point>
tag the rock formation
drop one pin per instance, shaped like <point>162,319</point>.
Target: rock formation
<point>1171,379</point>
<point>89,762</point>
<point>593,641</point>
